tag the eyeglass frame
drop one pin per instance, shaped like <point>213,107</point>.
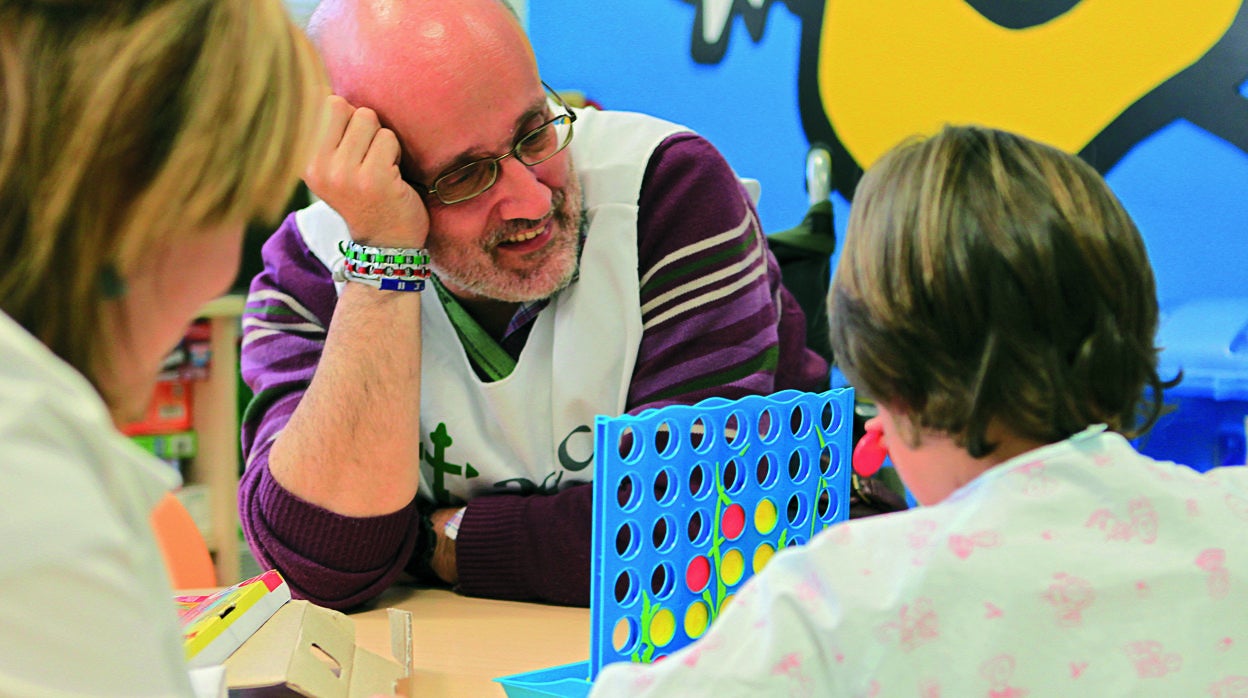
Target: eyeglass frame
<point>432,190</point>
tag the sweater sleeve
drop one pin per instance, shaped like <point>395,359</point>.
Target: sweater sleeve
<point>718,323</point>
<point>332,560</point>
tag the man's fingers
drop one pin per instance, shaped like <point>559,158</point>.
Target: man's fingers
<point>384,152</point>
<point>338,113</point>
<point>357,139</point>
<point>355,171</point>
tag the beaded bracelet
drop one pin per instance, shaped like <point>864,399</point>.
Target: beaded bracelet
<point>386,268</point>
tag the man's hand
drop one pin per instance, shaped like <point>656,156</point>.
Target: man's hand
<point>443,562</point>
<point>355,170</point>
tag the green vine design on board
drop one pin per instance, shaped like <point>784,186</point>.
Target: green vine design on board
<point>715,603</point>
<point>646,648</point>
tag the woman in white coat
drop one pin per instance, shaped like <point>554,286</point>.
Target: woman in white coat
<point>137,139</point>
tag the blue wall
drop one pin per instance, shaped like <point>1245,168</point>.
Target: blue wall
<point>635,56</point>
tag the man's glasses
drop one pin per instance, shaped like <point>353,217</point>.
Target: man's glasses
<point>533,148</point>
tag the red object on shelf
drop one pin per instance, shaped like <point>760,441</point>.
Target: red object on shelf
<point>169,410</point>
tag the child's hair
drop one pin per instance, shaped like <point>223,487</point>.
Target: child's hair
<point>126,121</point>
<point>987,278</point>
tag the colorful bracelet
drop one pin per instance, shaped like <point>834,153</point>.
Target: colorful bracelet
<point>386,268</point>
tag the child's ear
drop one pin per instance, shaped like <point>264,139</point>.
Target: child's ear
<point>903,427</point>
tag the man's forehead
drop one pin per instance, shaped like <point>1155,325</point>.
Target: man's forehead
<point>450,77</point>
<point>373,48</point>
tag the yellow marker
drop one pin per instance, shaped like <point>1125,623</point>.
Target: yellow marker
<point>765,516</point>
<point>732,567</point>
<point>697,617</point>
<point>762,555</point>
<point>662,627</point>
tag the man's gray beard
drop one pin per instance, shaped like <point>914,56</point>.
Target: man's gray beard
<point>485,289</point>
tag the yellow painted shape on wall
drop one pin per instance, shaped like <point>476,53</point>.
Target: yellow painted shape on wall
<point>889,69</point>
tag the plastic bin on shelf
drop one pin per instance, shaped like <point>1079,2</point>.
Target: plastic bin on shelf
<point>1208,340</point>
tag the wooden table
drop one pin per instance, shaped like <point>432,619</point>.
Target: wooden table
<point>461,644</point>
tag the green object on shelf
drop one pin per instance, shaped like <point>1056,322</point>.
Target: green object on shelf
<point>182,444</point>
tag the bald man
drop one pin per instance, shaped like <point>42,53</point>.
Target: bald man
<point>580,262</point>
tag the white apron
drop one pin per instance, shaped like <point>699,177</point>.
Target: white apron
<point>533,430</point>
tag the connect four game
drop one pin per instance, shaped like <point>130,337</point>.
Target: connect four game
<point>689,503</point>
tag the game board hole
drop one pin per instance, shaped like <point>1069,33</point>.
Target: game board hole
<point>665,487</point>
<point>768,425</point>
<point>732,567</point>
<point>627,542</point>
<point>762,555</point>
<point>699,437</point>
<point>765,516</point>
<point>627,493</point>
<point>697,619</point>
<point>628,446</point>
<point>665,439</point>
<point>765,471</point>
<point>626,588</point>
<point>829,461</point>
<point>698,574</point>
<point>794,542</point>
<point>798,509</point>
<point>624,635</point>
<point>699,483</point>
<point>799,422</point>
<point>663,533</point>
<point>799,467</point>
<point>734,429</point>
<point>662,580</point>
<point>734,479</point>
<point>826,508</point>
<point>699,532</point>
<point>830,417</point>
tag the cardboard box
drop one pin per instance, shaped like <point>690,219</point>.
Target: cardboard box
<point>307,650</point>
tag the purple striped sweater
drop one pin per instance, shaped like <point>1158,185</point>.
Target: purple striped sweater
<point>534,547</point>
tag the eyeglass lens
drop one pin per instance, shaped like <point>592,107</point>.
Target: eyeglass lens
<point>535,147</point>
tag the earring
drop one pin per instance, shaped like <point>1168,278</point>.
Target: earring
<point>112,286</point>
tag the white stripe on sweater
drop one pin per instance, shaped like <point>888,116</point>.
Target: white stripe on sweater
<point>285,299</point>
<point>697,248</point>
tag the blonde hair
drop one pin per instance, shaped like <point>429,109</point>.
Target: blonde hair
<point>988,278</point>
<point>126,121</point>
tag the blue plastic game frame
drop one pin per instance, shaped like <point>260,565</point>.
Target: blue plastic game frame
<point>689,502</point>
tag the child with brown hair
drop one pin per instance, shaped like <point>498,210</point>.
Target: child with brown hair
<point>996,302</point>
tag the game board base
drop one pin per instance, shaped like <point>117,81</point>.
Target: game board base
<point>565,681</point>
